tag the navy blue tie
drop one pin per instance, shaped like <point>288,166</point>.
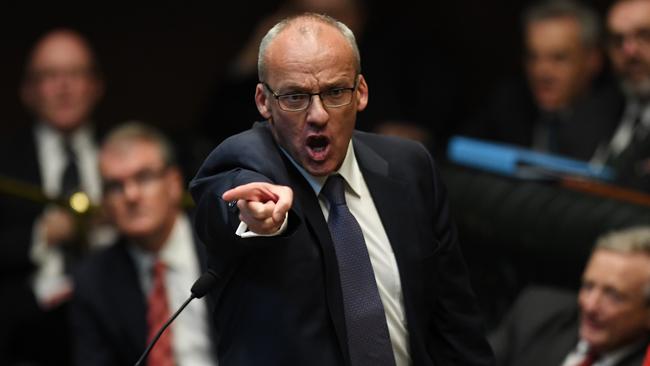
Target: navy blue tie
<point>70,176</point>
<point>365,321</point>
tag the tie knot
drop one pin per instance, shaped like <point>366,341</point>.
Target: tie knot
<point>334,190</point>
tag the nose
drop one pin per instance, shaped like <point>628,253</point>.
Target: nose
<point>630,46</point>
<point>590,300</point>
<point>316,113</point>
<point>131,191</point>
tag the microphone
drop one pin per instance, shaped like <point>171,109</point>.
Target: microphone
<point>200,287</point>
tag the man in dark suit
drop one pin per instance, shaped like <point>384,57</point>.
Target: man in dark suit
<point>335,246</point>
<point>609,324</point>
<point>115,301</point>
<point>628,150</point>
<point>565,104</point>
<point>54,157</point>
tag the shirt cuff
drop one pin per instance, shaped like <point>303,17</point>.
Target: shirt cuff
<point>49,283</point>
<point>242,229</point>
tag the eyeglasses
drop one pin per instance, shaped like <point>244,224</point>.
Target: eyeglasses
<point>332,98</point>
<point>142,179</point>
<point>640,36</point>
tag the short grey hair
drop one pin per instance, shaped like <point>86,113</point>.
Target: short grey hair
<point>629,241</point>
<point>587,18</point>
<point>139,131</point>
<point>283,24</point>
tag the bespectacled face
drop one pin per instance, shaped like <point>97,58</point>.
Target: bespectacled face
<point>320,61</point>
<point>61,87</point>
<point>613,299</point>
<point>141,194</point>
<point>628,25</point>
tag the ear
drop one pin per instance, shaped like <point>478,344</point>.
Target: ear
<point>362,94</point>
<point>262,101</point>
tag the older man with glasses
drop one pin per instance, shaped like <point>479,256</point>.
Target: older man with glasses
<point>127,292</point>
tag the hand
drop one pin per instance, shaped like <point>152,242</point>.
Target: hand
<point>262,206</point>
<point>58,226</point>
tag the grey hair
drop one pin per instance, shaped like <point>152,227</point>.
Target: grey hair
<point>283,24</point>
<point>630,240</point>
<point>140,131</point>
<point>587,18</point>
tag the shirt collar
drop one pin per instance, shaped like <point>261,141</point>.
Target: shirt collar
<point>174,253</point>
<point>349,170</point>
<point>611,357</point>
<point>80,138</point>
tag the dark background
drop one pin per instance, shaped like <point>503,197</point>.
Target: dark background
<point>161,61</point>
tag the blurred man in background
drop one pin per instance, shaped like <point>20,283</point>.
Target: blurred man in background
<point>564,106</point>
<point>124,294</point>
<point>608,325</point>
<point>628,44</point>
<point>55,157</point>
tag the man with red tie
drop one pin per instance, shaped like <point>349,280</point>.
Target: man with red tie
<point>127,292</point>
<point>610,326</point>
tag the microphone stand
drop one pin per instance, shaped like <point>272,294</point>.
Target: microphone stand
<point>162,329</point>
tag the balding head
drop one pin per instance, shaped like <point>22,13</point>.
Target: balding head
<point>61,85</point>
<point>305,25</point>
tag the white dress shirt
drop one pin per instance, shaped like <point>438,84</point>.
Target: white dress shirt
<point>382,258</point>
<point>626,130</point>
<point>190,331</point>
<point>50,280</point>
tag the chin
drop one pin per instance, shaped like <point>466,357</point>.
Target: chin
<point>135,230</point>
<point>66,124</point>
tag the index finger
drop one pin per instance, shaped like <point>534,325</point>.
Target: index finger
<point>256,191</point>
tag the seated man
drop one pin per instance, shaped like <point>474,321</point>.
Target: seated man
<point>609,324</point>
<point>563,105</point>
<point>125,293</point>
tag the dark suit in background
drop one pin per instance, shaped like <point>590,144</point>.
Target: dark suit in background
<point>542,329</point>
<point>280,302</point>
<point>510,115</point>
<point>109,308</point>
<point>24,325</point>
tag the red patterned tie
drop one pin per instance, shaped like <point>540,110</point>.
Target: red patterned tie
<point>646,361</point>
<point>157,315</point>
<point>589,359</point>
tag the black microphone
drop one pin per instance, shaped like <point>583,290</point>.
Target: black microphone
<point>201,287</point>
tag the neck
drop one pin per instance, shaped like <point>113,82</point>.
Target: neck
<point>156,240</point>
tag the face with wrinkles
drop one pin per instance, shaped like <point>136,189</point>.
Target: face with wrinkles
<point>613,299</point>
<point>311,57</point>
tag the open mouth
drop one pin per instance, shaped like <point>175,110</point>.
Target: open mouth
<point>318,146</point>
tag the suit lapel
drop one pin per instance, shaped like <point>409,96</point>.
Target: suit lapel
<point>129,300</point>
<point>388,194</point>
<point>307,206</point>
<point>391,199</point>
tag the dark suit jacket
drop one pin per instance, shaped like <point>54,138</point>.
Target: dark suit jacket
<point>18,161</point>
<point>542,329</point>
<point>108,310</point>
<point>510,115</point>
<point>24,326</point>
<point>280,299</point>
